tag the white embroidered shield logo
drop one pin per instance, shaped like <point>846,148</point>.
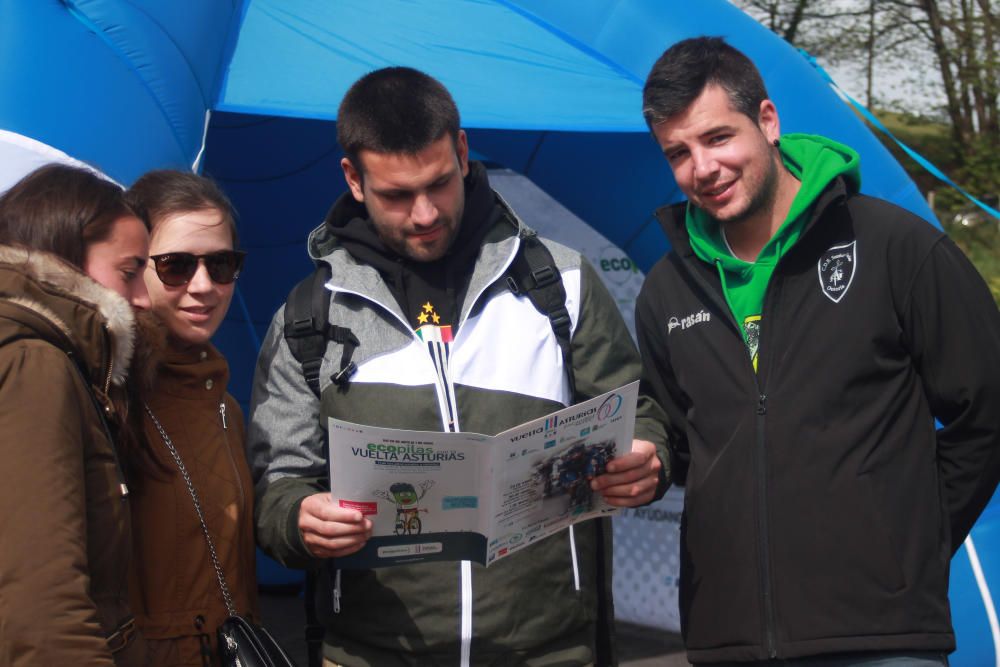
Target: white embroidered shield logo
<point>836,270</point>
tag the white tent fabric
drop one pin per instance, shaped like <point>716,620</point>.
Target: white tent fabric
<point>20,155</point>
<point>550,219</point>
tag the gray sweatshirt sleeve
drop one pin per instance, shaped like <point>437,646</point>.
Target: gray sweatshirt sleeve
<point>285,447</point>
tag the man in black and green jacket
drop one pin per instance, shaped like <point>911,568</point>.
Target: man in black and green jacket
<point>802,339</point>
<point>418,253</point>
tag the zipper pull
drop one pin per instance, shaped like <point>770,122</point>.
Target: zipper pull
<point>222,413</point>
<point>762,405</point>
<point>336,593</point>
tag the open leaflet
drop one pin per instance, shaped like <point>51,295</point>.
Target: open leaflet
<point>465,496</point>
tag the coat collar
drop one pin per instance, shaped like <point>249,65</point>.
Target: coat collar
<point>199,372</point>
<point>496,252</point>
<point>673,221</point>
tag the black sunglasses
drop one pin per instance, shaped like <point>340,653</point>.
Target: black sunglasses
<point>178,268</point>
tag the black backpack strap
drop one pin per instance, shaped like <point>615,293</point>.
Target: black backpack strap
<point>534,274</point>
<point>307,330</point>
<point>315,631</point>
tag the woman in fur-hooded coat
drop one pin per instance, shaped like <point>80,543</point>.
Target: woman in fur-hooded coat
<point>71,253</point>
<point>65,342</point>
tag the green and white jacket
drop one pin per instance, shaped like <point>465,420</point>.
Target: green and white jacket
<point>547,604</point>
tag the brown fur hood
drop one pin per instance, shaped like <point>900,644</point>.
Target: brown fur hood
<point>55,301</point>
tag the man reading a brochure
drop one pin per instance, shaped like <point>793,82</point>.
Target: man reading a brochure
<point>446,314</point>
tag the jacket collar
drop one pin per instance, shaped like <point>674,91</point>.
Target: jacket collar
<point>70,309</point>
<point>496,252</point>
<point>199,372</point>
<point>672,216</point>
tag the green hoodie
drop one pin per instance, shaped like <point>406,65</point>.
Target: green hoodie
<point>816,161</point>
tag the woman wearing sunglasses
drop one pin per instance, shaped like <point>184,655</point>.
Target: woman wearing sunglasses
<point>71,261</point>
<point>190,423</point>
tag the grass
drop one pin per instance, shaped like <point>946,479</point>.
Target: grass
<point>932,139</point>
<point>981,244</point>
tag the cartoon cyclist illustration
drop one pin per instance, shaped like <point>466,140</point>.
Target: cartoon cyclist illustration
<point>406,498</point>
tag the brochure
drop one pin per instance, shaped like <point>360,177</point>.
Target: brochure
<point>465,496</point>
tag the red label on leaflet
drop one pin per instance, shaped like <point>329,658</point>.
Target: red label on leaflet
<point>365,508</point>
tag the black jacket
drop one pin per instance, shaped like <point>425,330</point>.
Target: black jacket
<point>822,508</point>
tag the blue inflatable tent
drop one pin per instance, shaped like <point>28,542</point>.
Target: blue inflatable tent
<point>247,91</point>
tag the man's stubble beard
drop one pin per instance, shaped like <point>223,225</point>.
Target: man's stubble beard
<point>764,197</point>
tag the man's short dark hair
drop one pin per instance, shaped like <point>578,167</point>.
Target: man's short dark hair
<point>687,67</point>
<point>395,110</point>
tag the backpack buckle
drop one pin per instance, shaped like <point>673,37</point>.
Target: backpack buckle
<point>544,276</point>
<point>343,376</point>
<point>560,319</point>
<point>299,328</point>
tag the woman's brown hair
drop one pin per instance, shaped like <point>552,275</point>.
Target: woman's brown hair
<point>62,210</point>
<point>165,192</point>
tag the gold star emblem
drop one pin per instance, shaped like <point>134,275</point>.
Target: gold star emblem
<point>422,318</point>
<point>436,318</point>
<point>428,307</point>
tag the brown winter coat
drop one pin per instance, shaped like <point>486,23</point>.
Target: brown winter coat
<point>64,515</point>
<point>176,597</point>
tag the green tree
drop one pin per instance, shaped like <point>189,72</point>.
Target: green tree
<point>961,35</point>
<point>960,38</point>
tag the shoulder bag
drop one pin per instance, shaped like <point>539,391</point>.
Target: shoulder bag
<point>242,643</point>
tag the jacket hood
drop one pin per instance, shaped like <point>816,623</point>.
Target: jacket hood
<point>63,305</point>
<point>842,177</point>
<point>817,162</point>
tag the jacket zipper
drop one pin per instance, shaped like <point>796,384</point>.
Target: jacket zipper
<point>109,350</point>
<point>336,592</point>
<point>229,453</point>
<point>764,547</point>
<point>761,375</point>
<point>760,457</point>
<point>450,424</point>
<point>107,378</point>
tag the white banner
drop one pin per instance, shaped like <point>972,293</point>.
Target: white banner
<point>647,562</point>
